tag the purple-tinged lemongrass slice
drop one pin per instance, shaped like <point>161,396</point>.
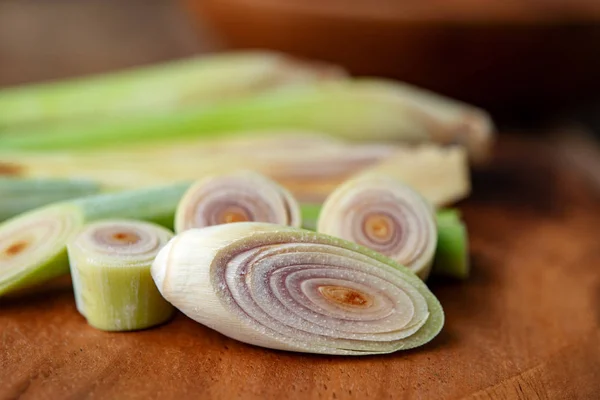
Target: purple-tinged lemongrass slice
<point>383,214</point>
<point>241,196</point>
<point>290,289</point>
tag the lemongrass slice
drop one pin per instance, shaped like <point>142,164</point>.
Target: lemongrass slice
<point>452,253</point>
<point>33,245</point>
<point>240,196</point>
<point>110,267</point>
<point>385,215</point>
<point>290,289</point>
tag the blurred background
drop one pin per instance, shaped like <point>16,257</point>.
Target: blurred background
<point>533,64</point>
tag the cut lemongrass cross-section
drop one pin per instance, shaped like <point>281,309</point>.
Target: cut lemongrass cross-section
<point>385,215</point>
<point>33,245</point>
<point>241,196</point>
<point>110,267</point>
<point>290,289</point>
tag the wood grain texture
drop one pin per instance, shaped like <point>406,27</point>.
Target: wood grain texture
<point>525,325</point>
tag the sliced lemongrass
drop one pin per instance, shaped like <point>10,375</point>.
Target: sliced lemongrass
<point>18,195</point>
<point>196,81</point>
<point>452,253</point>
<point>241,196</point>
<point>291,289</point>
<point>110,267</point>
<point>440,174</point>
<point>383,214</point>
<point>33,245</point>
<point>352,109</point>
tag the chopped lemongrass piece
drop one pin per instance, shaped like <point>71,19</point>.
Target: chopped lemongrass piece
<point>290,289</point>
<point>385,215</point>
<point>18,195</point>
<point>241,196</point>
<point>352,109</point>
<point>110,267</point>
<point>198,82</point>
<point>452,254</point>
<point>33,245</point>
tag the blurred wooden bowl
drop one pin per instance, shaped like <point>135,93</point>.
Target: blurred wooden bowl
<point>498,54</point>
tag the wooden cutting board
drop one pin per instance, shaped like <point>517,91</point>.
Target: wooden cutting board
<point>525,325</point>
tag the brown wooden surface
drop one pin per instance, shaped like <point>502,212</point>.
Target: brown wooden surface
<point>525,325</point>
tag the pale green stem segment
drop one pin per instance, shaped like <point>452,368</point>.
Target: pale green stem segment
<point>310,215</point>
<point>351,109</point>
<point>452,254</point>
<point>110,268</point>
<point>291,289</point>
<point>18,195</point>
<point>452,250</point>
<point>197,81</point>
<point>33,244</point>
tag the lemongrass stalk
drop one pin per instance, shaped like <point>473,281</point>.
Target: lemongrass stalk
<point>110,266</point>
<point>350,109</point>
<point>441,175</point>
<point>198,81</point>
<point>310,215</point>
<point>383,214</point>
<point>20,195</point>
<point>452,253</point>
<point>310,167</point>
<point>33,244</point>
<point>240,196</point>
<point>455,122</point>
<point>452,249</point>
<point>290,289</point>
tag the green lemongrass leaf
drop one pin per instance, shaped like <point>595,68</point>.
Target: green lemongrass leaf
<point>197,81</point>
<point>110,267</point>
<point>291,289</point>
<point>18,195</point>
<point>359,109</point>
<point>33,244</point>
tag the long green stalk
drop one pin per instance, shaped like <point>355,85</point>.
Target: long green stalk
<point>350,109</point>
<point>197,81</point>
<point>33,245</point>
<point>19,195</point>
<point>310,166</point>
